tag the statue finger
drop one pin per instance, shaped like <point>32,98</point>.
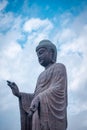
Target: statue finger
<point>10,84</point>
<point>8,81</point>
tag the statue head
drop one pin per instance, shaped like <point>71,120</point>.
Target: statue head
<point>46,45</point>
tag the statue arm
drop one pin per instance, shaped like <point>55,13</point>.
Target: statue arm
<point>57,88</point>
<point>53,101</point>
<point>58,81</point>
<point>34,106</point>
<point>14,88</point>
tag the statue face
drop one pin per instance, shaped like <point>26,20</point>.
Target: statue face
<point>44,56</point>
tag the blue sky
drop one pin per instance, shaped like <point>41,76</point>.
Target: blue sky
<point>44,9</point>
<point>23,23</point>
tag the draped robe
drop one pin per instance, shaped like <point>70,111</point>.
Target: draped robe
<point>51,88</point>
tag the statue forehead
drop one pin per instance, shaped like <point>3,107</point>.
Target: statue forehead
<point>45,44</point>
<point>41,48</point>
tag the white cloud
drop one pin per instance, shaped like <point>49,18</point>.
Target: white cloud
<point>6,20</point>
<point>35,23</point>
<point>8,57</point>
<point>3,4</point>
<point>12,50</point>
<point>78,121</point>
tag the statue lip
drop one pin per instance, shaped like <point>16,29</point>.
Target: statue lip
<point>40,59</point>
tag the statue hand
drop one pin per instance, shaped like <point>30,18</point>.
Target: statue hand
<point>14,88</point>
<point>34,106</point>
<point>30,114</point>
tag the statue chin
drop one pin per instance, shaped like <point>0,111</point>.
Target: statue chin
<point>41,61</point>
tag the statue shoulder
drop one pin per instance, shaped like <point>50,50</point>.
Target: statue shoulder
<point>60,66</point>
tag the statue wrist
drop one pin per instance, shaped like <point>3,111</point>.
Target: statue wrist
<point>19,95</point>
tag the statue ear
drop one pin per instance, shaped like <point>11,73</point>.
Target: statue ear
<point>52,55</point>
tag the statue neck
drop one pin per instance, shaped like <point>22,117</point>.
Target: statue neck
<point>46,67</point>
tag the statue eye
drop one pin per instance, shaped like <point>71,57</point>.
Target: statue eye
<point>41,52</point>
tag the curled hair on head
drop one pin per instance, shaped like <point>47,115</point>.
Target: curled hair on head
<point>49,45</point>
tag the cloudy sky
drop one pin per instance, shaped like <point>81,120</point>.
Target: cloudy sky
<point>23,23</point>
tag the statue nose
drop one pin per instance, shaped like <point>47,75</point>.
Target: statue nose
<point>40,56</point>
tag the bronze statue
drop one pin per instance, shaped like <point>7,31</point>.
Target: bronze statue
<point>46,109</point>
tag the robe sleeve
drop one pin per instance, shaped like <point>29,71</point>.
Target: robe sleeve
<point>24,104</point>
<point>53,101</point>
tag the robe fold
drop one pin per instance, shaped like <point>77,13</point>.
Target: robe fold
<point>51,88</point>
<point>24,104</point>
